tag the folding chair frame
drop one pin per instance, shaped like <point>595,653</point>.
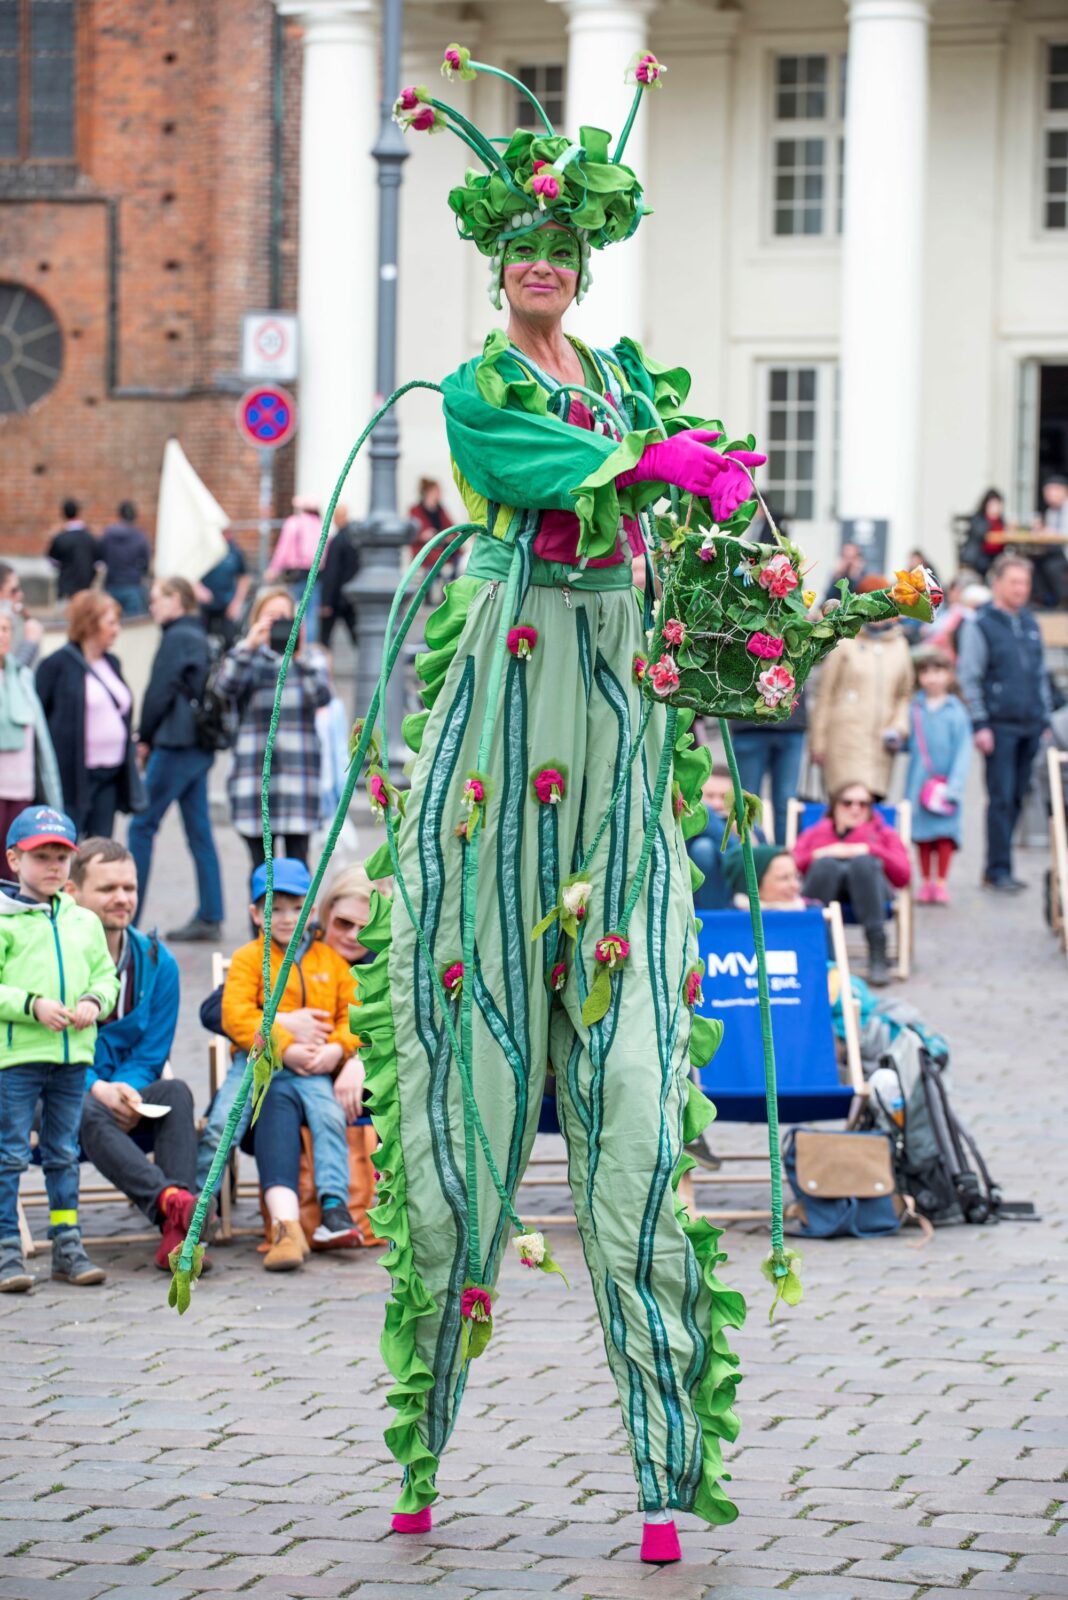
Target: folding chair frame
<point>1056,765</point>
<point>902,915</point>
<point>833,917</point>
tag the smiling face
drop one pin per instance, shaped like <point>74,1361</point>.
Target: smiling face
<point>781,883</point>
<point>541,272</point>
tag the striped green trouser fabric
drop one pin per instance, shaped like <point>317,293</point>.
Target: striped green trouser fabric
<point>620,1085</point>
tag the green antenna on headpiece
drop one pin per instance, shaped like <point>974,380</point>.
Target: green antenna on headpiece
<point>458,61</point>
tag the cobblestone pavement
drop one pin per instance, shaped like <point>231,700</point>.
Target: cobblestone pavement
<point>904,1430</point>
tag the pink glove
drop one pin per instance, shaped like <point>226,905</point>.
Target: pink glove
<point>733,485</point>
<point>684,460</point>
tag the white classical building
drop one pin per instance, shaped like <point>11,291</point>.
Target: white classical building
<point>859,247</point>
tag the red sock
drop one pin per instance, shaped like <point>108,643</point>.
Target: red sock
<point>945,855</point>
<point>165,1197</point>
<point>926,852</point>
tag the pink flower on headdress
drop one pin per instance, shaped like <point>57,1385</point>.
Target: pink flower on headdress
<point>664,675</point>
<point>777,576</point>
<point>452,979</point>
<point>546,188</point>
<point>521,641</point>
<point>612,950</point>
<point>476,1305</point>
<point>549,786</point>
<point>765,646</point>
<point>558,977</point>
<point>775,685</point>
<point>407,100</point>
<point>649,70</point>
<point>693,987</point>
<point>456,60</point>
<point>425,120</point>
<point>674,631</point>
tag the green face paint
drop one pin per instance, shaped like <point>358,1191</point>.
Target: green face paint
<point>555,246</point>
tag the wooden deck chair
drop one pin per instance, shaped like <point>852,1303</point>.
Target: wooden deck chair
<point>89,1194</point>
<point>802,814</point>
<point>1057,767</point>
<point>810,1081</point>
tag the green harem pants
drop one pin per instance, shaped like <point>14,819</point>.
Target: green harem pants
<point>621,1086</point>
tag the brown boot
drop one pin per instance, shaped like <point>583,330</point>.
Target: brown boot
<point>288,1248</point>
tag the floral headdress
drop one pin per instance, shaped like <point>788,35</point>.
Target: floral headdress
<point>533,178</point>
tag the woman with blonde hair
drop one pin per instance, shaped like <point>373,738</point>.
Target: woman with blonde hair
<point>176,762</point>
<point>248,674</point>
<point>88,704</point>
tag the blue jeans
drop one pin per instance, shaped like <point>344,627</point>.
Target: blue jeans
<point>325,1118</point>
<point>61,1090</point>
<point>1008,776</point>
<point>131,598</point>
<point>776,753</point>
<point>182,776</point>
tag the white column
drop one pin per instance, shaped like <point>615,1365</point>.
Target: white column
<point>882,267</point>
<point>602,36</point>
<point>336,293</point>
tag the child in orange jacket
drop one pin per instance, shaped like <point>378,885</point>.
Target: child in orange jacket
<point>312,1035</point>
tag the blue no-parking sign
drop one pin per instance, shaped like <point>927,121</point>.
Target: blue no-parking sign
<point>267,416</point>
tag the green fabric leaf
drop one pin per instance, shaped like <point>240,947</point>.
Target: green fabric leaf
<point>178,1294</point>
<point>379,864</point>
<point>698,1112</point>
<point>706,1037</point>
<point>752,812</point>
<point>545,924</point>
<point>787,1284</point>
<point>599,998</point>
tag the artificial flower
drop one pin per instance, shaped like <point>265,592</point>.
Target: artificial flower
<point>707,551</point>
<point>765,646</point>
<point>919,584</point>
<point>452,979</point>
<point>558,977</point>
<point>521,641</point>
<point>645,69</point>
<point>744,573</point>
<point>693,985</point>
<point>474,792</point>
<point>476,1305</point>
<point>575,898</point>
<point>550,786</point>
<point>546,186</point>
<point>777,576</point>
<point>612,950</point>
<point>678,800</point>
<point>673,631</point>
<point>775,684</point>
<point>409,99</point>
<point>638,666</point>
<point>809,596</point>
<point>664,675</point>
<point>378,794</point>
<point>456,60</point>
<point>530,1247</point>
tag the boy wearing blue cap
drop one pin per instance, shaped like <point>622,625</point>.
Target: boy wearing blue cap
<point>56,980</point>
<point>314,1040</point>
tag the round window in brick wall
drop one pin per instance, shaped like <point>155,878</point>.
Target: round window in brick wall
<point>31,348</point>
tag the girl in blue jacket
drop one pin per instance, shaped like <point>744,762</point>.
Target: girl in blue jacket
<point>940,753</point>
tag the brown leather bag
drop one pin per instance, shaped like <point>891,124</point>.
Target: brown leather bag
<point>839,1166</point>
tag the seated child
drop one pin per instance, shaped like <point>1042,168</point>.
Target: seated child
<point>56,979</point>
<point>313,1037</point>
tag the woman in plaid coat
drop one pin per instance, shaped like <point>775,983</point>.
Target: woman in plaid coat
<point>248,674</point>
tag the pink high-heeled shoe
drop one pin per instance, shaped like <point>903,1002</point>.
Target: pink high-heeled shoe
<point>413,1521</point>
<point>660,1543</point>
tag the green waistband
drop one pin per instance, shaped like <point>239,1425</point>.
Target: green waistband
<point>491,558</point>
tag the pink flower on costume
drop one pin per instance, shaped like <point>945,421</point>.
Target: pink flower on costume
<point>765,646</point>
<point>664,675</point>
<point>674,631</point>
<point>425,120</point>
<point>549,786</point>
<point>649,70</point>
<point>775,685</point>
<point>546,188</point>
<point>453,977</point>
<point>638,668</point>
<point>612,950</point>
<point>777,576</point>
<point>693,987</point>
<point>474,792</point>
<point>476,1305</point>
<point>521,641</point>
<point>407,100</point>
<point>680,802</point>
<point>558,977</point>
<point>378,794</point>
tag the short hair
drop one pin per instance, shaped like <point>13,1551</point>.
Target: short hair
<point>96,848</point>
<point>1007,559</point>
<point>6,571</point>
<point>351,880</point>
<point>276,592</point>
<point>184,591</point>
<point>70,508</point>
<point>127,511</point>
<point>428,483</point>
<point>86,612</point>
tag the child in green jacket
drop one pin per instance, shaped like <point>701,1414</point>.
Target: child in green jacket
<point>56,980</point>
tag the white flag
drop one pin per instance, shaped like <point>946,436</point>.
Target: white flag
<point>189,520</point>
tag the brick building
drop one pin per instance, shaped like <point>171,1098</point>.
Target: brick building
<point>148,186</point>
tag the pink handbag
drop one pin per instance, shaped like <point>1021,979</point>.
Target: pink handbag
<point>934,794</point>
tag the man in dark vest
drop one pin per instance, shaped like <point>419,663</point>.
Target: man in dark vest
<point>1006,689</point>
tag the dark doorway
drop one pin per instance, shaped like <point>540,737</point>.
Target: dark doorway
<point>1052,425</point>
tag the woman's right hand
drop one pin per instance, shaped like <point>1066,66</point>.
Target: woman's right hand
<point>308,1024</point>
<point>258,634</point>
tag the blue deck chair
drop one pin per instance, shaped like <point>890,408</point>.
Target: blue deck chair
<point>802,814</point>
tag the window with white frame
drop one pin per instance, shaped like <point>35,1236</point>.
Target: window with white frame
<point>807,145</point>
<point>800,410</point>
<point>545,80</point>
<point>1055,140</point>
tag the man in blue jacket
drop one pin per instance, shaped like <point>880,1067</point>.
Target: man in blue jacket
<point>120,1122</point>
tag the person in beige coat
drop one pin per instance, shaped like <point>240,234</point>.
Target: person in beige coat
<point>861,714</point>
